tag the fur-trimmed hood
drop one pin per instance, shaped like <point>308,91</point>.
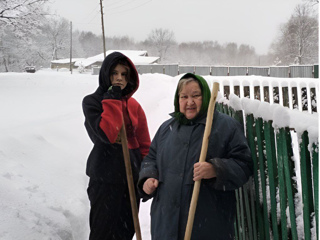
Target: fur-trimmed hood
<point>104,75</point>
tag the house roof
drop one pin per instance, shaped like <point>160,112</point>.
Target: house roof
<point>138,60</point>
<point>67,60</point>
<point>137,57</point>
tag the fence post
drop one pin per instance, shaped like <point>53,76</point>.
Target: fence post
<point>262,169</point>
<point>315,168</point>
<point>253,205</point>
<point>243,192</point>
<point>272,172</point>
<point>316,71</point>
<point>306,182</point>
<point>282,187</point>
<point>240,213</point>
<point>219,107</point>
<point>286,149</point>
<point>235,231</point>
<point>238,115</point>
<point>225,109</point>
<point>251,140</point>
<point>239,218</point>
<point>247,208</point>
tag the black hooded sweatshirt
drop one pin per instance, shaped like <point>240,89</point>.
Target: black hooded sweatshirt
<point>103,121</point>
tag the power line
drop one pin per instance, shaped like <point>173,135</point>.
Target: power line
<point>122,5</point>
<point>95,9</point>
<point>92,11</point>
<point>112,13</point>
<point>135,7</point>
<point>115,3</point>
<point>94,17</point>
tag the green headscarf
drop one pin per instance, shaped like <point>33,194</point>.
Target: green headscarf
<point>205,99</point>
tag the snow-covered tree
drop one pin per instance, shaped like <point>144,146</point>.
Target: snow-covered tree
<point>16,53</point>
<point>313,2</point>
<point>162,40</point>
<point>298,41</point>
<point>90,43</point>
<point>57,32</point>
<point>21,16</point>
<point>8,51</point>
<point>81,68</point>
<point>246,55</point>
<point>276,62</point>
<point>20,22</point>
<point>231,52</point>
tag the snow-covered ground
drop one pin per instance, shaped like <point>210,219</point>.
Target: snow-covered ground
<point>44,148</point>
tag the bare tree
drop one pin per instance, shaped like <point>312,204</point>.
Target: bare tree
<point>246,55</point>
<point>231,53</point>
<point>20,22</point>
<point>21,16</point>
<point>162,40</point>
<point>298,41</point>
<point>313,2</point>
<point>57,32</point>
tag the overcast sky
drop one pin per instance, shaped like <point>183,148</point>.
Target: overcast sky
<point>253,22</point>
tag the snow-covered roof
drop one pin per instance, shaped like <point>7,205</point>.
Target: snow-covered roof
<point>67,60</point>
<point>138,60</point>
<point>137,57</point>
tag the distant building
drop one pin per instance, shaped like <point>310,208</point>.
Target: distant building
<point>137,57</point>
<point>64,63</point>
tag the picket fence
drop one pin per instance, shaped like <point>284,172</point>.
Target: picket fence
<point>293,71</point>
<point>268,206</point>
<point>294,93</point>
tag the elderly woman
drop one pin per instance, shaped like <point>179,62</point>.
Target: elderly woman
<point>169,170</point>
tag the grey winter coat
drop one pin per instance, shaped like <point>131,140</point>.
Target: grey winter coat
<point>173,152</point>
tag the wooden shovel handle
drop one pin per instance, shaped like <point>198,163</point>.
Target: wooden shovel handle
<point>203,154</point>
<point>132,193</point>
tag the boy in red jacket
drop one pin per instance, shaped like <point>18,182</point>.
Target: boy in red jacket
<point>110,214</point>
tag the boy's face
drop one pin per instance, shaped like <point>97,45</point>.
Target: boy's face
<point>119,76</point>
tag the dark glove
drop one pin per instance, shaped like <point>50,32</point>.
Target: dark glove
<point>114,92</point>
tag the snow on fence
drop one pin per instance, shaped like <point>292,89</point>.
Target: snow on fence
<point>295,93</point>
<point>281,200</point>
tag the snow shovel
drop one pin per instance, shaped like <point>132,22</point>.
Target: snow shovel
<point>132,193</point>
<point>203,154</point>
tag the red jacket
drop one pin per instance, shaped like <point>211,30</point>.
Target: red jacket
<point>137,129</point>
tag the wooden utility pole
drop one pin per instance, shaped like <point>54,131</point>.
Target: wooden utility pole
<point>71,47</point>
<point>104,41</point>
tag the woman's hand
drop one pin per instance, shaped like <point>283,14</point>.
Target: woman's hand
<point>150,185</point>
<point>203,170</point>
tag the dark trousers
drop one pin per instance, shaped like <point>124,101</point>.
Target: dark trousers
<point>110,213</point>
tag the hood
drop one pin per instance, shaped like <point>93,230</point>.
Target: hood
<point>206,94</point>
<point>104,75</point>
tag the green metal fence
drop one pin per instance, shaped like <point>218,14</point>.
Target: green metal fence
<point>270,205</point>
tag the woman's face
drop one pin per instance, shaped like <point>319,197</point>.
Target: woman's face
<point>190,99</point>
<point>119,76</point>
